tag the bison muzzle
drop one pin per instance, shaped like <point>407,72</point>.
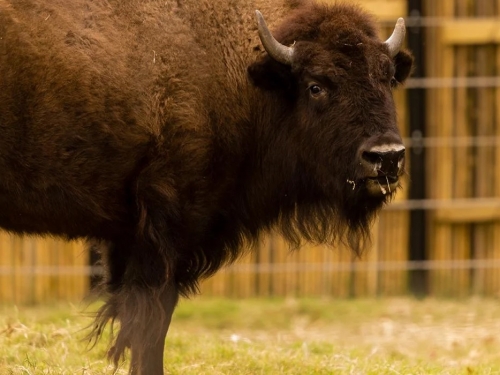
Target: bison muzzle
<point>175,133</point>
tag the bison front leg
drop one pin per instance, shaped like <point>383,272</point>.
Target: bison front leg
<point>142,299</point>
<point>148,332</point>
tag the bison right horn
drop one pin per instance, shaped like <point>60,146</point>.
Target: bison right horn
<point>275,49</point>
<point>395,41</point>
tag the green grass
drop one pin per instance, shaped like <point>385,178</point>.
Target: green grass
<point>313,336</point>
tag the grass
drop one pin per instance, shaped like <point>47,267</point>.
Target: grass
<point>305,336</point>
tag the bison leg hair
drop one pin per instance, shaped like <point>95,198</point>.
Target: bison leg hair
<point>145,330</point>
<point>143,304</point>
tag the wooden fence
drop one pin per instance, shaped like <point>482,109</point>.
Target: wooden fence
<point>462,203</point>
<point>34,270</point>
<point>464,45</point>
<point>315,271</point>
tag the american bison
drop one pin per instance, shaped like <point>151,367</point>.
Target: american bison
<point>176,132</point>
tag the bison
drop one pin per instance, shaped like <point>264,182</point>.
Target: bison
<point>176,132</point>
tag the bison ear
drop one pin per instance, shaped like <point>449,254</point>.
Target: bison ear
<point>269,74</point>
<point>403,62</point>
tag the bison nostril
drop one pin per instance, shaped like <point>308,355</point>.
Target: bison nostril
<point>372,157</point>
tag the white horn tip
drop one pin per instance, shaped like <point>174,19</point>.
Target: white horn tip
<point>260,20</point>
<point>400,24</point>
<point>395,41</point>
<point>259,15</point>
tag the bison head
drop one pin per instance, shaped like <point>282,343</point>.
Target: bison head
<point>332,77</point>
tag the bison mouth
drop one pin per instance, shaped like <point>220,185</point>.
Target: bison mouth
<point>382,185</point>
<point>377,186</point>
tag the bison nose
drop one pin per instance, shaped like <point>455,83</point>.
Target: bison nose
<point>384,161</point>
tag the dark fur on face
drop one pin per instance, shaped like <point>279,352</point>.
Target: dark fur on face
<point>337,48</point>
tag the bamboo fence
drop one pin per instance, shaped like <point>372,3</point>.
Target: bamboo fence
<point>34,270</point>
<point>464,45</point>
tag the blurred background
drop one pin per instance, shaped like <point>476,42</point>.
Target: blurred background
<point>439,237</point>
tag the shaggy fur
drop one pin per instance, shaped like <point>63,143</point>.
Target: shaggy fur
<point>162,129</point>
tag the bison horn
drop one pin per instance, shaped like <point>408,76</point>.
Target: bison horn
<point>395,41</point>
<point>275,49</point>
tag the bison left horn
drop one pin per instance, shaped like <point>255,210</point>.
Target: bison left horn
<point>395,41</point>
<point>275,49</point>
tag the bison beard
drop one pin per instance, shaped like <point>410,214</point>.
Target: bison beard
<point>174,134</point>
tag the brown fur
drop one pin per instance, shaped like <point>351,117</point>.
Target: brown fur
<point>162,129</point>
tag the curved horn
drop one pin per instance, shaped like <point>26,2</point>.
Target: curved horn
<point>275,49</point>
<point>395,41</point>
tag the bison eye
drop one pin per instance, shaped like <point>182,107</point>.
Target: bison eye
<point>315,90</point>
<point>394,82</point>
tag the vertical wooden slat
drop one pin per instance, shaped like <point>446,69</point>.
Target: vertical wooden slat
<point>243,280</point>
<point>401,255</point>
<point>385,253</point>
<point>81,259</point>
<point>440,104</point>
<point>392,249</point>
<point>298,278</point>
<point>21,259</point>
<point>346,278</point>
<point>461,242</point>
<point>496,171</point>
<point>314,276</point>
<point>340,278</point>
<point>263,279</point>
<point>485,65</point>
<point>6,260</point>
<point>279,280</point>
<point>62,280</point>
<point>430,9</point>
<point>372,257</point>
<point>327,278</point>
